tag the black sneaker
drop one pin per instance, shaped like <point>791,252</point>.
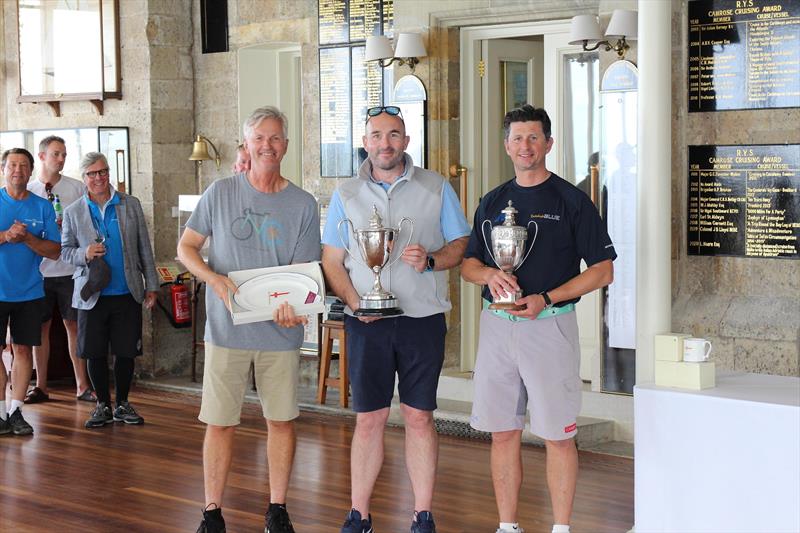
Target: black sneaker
<point>212,522</point>
<point>126,413</point>
<point>101,415</point>
<point>423,523</point>
<point>5,427</point>
<point>18,424</point>
<point>354,523</point>
<point>277,520</point>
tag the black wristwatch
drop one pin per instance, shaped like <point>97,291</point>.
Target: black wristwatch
<point>431,264</point>
<point>547,301</point>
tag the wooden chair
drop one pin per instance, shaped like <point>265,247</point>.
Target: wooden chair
<point>333,329</point>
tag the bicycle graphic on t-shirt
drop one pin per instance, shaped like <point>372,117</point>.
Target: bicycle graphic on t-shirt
<point>242,228</point>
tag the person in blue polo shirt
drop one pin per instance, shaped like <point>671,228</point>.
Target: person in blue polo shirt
<point>410,346</point>
<point>104,234</point>
<point>530,358</point>
<point>29,232</point>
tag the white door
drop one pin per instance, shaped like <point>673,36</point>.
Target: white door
<point>544,45</point>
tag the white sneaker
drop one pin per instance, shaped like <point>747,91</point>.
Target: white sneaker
<point>520,530</point>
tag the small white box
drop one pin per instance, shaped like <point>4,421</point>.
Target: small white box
<point>669,346</point>
<point>685,375</point>
<point>313,303</point>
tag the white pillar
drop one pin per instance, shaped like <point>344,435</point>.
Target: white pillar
<point>653,283</point>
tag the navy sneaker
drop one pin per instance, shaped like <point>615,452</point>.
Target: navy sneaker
<point>423,523</point>
<point>101,415</point>
<point>5,427</point>
<point>212,521</point>
<point>277,520</point>
<point>126,413</point>
<point>354,524</point>
<point>18,424</point>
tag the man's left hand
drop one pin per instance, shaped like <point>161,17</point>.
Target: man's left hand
<point>534,305</point>
<point>17,233</point>
<point>416,256</point>
<point>150,299</point>
<point>284,316</point>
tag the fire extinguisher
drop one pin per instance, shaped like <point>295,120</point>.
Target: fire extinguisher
<point>179,295</point>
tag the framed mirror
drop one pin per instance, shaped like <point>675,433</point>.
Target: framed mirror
<point>68,50</point>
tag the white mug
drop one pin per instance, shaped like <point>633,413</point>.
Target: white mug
<point>696,350</point>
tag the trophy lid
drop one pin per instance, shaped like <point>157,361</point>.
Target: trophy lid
<point>510,213</point>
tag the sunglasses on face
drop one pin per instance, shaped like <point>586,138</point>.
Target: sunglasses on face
<point>48,188</point>
<point>392,110</point>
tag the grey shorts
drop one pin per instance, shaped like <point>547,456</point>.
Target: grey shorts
<point>58,290</point>
<point>531,364</point>
<point>225,381</point>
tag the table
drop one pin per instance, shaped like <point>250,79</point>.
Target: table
<point>725,459</point>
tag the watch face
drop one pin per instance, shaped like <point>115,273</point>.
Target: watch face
<point>431,262</point>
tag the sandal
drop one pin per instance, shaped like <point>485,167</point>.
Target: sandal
<point>87,396</point>
<point>36,395</point>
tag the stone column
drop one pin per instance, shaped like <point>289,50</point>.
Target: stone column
<point>653,283</point>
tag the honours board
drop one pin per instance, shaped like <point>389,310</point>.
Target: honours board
<point>744,54</point>
<point>744,201</point>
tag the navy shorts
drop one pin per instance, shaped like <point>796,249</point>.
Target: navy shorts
<point>58,290</point>
<point>412,348</point>
<point>25,320</point>
<point>114,319</point>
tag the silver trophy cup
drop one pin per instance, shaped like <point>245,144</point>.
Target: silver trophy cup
<point>375,244</point>
<point>508,252</point>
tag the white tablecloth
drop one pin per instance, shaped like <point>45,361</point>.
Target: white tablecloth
<point>725,459</point>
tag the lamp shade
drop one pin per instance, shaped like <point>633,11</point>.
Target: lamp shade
<point>410,45</point>
<point>623,23</point>
<point>378,47</point>
<point>585,28</point>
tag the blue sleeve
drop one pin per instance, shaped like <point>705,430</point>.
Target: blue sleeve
<point>330,236</point>
<point>51,230</point>
<point>454,223</point>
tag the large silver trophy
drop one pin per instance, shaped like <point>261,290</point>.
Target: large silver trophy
<point>376,243</point>
<point>508,252</point>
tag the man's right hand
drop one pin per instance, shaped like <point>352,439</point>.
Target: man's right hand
<point>17,232</point>
<point>221,284</point>
<point>95,250</point>
<point>500,283</point>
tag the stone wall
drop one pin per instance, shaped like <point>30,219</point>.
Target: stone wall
<point>749,308</point>
<point>157,107</point>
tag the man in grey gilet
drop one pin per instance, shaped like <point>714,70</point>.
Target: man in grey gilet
<point>409,346</point>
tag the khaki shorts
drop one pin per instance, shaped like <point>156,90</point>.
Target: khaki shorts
<point>225,381</point>
<point>531,364</point>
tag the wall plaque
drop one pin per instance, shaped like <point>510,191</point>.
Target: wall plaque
<point>744,54</point>
<point>744,200</point>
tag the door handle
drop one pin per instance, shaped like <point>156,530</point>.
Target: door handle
<point>460,171</point>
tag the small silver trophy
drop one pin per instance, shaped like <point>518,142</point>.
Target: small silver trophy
<point>508,244</point>
<point>376,244</point>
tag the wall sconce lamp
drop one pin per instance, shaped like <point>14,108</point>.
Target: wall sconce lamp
<point>407,51</point>
<point>623,27</point>
<point>200,151</point>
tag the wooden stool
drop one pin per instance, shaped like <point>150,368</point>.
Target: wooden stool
<point>333,329</point>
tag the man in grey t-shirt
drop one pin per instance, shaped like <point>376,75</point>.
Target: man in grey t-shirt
<point>257,219</point>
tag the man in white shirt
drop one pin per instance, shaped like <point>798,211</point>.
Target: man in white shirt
<point>58,284</point>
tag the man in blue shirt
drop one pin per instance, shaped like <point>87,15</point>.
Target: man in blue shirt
<point>409,346</point>
<point>530,358</point>
<point>29,232</point>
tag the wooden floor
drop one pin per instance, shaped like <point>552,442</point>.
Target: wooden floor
<point>149,478</point>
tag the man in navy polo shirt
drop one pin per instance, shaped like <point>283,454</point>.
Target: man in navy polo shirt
<point>29,232</point>
<point>530,358</point>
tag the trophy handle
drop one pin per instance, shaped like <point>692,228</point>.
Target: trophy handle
<point>486,241</point>
<point>535,233</point>
<point>410,235</point>
<point>347,248</point>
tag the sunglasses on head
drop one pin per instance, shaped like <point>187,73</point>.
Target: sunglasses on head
<point>48,188</point>
<point>392,110</point>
